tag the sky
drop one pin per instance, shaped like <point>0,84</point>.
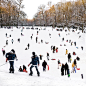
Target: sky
<point>31,6</point>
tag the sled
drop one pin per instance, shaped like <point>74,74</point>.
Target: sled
<point>78,68</point>
<point>48,67</point>
<point>53,59</point>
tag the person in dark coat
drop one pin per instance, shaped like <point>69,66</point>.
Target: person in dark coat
<point>6,42</point>
<point>34,62</point>
<point>41,41</point>
<point>47,56</point>
<point>20,69</point>
<point>44,64</point>
<point>58,63</point>
<point>41,57</point>
<point>62,69</point>
<point>62,39</point>
<point>10,56</point>
<point>18,39</point>
<point>12,41</point>
<point>24,67</point>
<point>28,45</point>
<point>36,39</point>
<point>53,49</point>
<point>69,57</point>
<point>66,68</point>
<point>6,34</point>
<point>75,43</point>
<point>31,37</point>
<point>3,51</point>
<point>37,32</point>
<point>82,47</point>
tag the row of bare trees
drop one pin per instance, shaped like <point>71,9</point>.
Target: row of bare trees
<point>11,13</point>
<point>62,14</point>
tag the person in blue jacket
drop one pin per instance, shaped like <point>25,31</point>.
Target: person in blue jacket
<point>34,62</point>
<point>10,56</point>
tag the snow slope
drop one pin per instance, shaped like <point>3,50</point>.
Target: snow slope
<point>53,76</point>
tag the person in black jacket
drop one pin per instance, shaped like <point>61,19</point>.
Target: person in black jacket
<point>62,69</point>
<point>44,65</point>
<point>47,56</point>
<point>11,56</point>
<point>69,57</point>
<point>20,69</point>
<point>66,68</point>
<point>28,45</point>
<point>34,62</point>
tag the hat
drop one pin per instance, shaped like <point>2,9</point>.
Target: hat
<point>12,51</point>
<point>33,53</point>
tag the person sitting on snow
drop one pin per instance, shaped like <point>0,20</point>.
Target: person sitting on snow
<point>20,69</point>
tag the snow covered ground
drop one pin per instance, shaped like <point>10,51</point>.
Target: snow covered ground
<point>51,77</point>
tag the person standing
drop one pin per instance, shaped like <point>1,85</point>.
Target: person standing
<point>44,64</point>
<point>47,56</point>
<point>69,57</point>
<point>36,39</point>
<point>6,42</point>
<point>34,62</point>
<point>12,41</point>
<point>62,69</point>
<point>10,56</point>
<point>6,34</point>
<point>66,68</point>
<point>28,45</point>
<point>3,51</point>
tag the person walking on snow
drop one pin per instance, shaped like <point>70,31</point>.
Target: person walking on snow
<point>34,62</point>
<point>57,50</point>
<point>69,57</point>
<point>10,56</point>
<point>3,51</point>
<point>36,39</point>
<point>58,63</point>
<point>28,45</point>
<point>6,34</point>
<point>66,68</point>
<point>12,41</point>
<point>6,42</point>
<point>44,64</point>
<point>47,56</point>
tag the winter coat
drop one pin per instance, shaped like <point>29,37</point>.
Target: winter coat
<point>44,64</point>
<point>69,56</point>
<point>66,51</point>
<point>73,65</point>
<point>66,66</point>
<point>10,56</point>
<point>35,60</point>
<point>75,62</point>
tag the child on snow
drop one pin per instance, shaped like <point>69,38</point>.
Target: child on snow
<point>58,63</point>
<point>66,52</point>
<point>47,56</point>
<point>44,64</point>
<point>57,50</point>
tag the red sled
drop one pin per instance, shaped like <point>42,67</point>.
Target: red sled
<point>53,59</point>
<point>78,68</point>
<point>48,67</point>
<point>24,71</point>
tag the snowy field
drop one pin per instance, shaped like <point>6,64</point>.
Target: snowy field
<point>51,77</point>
